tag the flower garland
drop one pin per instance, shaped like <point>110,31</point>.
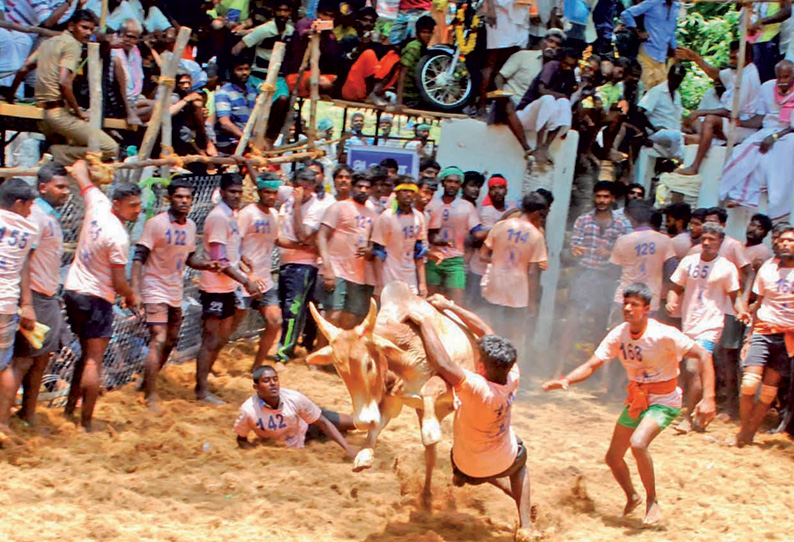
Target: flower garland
<point>466,44</point>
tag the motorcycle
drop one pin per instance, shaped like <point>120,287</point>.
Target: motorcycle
<point>442,77</point>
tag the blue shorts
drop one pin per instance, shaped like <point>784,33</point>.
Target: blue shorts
<point>706,344</point>
<point>246,302</point>
<point>348,297</point>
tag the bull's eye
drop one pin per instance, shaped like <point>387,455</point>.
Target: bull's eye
<point>370,366</point>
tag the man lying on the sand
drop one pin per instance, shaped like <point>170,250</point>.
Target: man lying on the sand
<point>484,448</point>
<point>650,352</point>
<point>287,416</point>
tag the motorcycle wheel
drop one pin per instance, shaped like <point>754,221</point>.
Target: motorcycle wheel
<point>438,94</point>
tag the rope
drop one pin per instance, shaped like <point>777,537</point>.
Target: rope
<point>170,82</point>
<point>267,87</point>
<point>101,173</point>
<point>167,151</point>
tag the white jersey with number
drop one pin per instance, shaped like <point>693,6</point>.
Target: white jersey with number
<point>286,425</point>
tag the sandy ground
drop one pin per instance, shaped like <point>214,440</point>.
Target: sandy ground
<point>181,477</point>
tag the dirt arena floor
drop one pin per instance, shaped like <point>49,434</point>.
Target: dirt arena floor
<point>181,477</point>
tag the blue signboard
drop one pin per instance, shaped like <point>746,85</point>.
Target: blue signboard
<point>362,157</point>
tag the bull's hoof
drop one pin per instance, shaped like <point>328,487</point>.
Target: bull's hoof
<point>431,432</point>
<point>363,460</point>
<point>528,534</point>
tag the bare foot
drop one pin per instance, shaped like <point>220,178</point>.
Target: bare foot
<point>684,427</point>
<point>542,156</point>
<point>528,534</point>
<point>211,399</point>
<point>653,514</point>
<point>631,504</point>
<point>743,440</point>
<point>153,404</point>
<point>134,120</point>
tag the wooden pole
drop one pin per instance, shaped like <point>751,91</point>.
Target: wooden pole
<point>174,160</point>
<point>294,94</point>
<point>264,99</point>
<point>273,67</point>
<point>314,59</point>
<point>103,17</point>
<point>163,100</point>
<point>737,83</point>
<point>46,32</point>
<point>166,136</point>
<point>95,93</point>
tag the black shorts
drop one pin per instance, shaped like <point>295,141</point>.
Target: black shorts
<point>218,305</point>
<point>769,351</point>
<point>48,312</point>
<point>461,478</point>
<point>315,433</point>
<point>90,317</point>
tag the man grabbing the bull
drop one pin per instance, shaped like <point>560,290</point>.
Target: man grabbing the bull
<point>484,449</point>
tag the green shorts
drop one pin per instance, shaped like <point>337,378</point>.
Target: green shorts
<point>447,274</point>
<point>662,415</point>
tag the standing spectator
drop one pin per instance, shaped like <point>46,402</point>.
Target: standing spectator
<point>764,35</point>
<point>95,277</point>
<point>329,50</point>
<point>408,13</point>
<point>264,37</point>
<point>506,32</point>
<point>343,243</point>
<point>517,74</point>
<point>259,230</point>
<point>234,103</point>
<point>590,295</point>
<point>45,266</point>
<point>492,209</point>
<point>299,220</point>
<point>659,41</point>
<point>20,237</point>
<point>399,240</point>
<point>452,220</point>
<point>57,62</point>
<point>412,53</point>
<point>221,242</point>
<point>754,248</point>
<point>166,245</point>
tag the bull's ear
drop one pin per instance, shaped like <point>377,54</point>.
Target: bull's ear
<point>329,330</point>
<point>368,325</point>
<point>388,350</point>
<point>324,356</point>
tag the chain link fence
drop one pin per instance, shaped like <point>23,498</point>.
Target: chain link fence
<point>128,347</point>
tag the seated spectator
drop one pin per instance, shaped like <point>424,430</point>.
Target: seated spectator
<point>523,66</point>
<point>663,110</point>
<point>264,37</point>
<point>704,125</point>
<point>421,142</point>
<point>546,107</point>
<point>234,103</point>
<point>408,14</point>
<point>145,12</point>
<point>384,134</point>
<point>369,68</point>
<point>412,53</point>
<point>128,71</point>
<point>187,120</point>
<point>329,51</point>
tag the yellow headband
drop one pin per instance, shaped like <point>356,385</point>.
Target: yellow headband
<point>407,186</point>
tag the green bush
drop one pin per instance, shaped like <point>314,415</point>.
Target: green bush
<point>708,30</point>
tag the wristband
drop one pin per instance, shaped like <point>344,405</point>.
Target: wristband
<point>775,137</point>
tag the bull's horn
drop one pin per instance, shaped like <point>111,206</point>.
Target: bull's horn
<point>329,330</point>
<point>368,325</point>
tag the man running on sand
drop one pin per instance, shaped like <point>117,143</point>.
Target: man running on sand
<point>485,449</point>
<point>287,416</point>
<point>650,352</point>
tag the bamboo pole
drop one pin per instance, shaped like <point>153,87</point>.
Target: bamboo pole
<point>164,88</point>
<point>166,135</point>
<point>175,160</point>
<point>46,32</point>
<point>314,60</point>
<point>95,93</point>
<point>737,82</point>
<point>294,94</point>
<point>103,17</point>
<point>264,100</point>
<point>404,112</point>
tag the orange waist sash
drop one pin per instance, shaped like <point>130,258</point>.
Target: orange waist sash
<point>639,394</point>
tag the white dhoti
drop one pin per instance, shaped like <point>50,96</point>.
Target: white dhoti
<point>547,113</point>
<point>748,173</point>
<point>14,50</point>
<point>668,143</point>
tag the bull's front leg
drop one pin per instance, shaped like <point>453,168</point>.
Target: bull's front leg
<point>389,408</point>
<point>430,462</point>
<point>428,417</point>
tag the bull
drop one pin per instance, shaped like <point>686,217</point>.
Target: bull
<point>383,364</point>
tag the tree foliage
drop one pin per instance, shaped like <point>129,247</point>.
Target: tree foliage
<point>708,29</point>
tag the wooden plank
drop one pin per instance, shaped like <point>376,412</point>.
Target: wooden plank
<point>264,100</point>
<point>406,112</point>
<point>314,61</point>
<point>32,112</point>
<point>163,101</point>
<point>95,93</point>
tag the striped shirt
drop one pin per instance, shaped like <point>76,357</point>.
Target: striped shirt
<point>264,37</point>
<point>236,103</point>
<point>26,12</point>
<point>589,234</point>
